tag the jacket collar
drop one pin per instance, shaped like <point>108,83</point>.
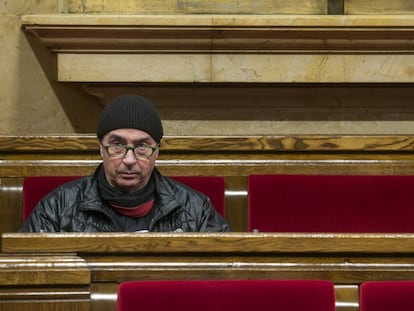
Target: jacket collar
<point>165,200</point>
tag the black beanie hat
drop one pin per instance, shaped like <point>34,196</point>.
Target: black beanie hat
<point>130,111</point>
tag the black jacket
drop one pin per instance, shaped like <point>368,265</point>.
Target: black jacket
<point>78,207</point>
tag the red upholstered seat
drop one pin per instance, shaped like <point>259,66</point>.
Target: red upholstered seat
<point>228,295</point>
<point>327,203</point>
<point>387,296</point>
<point>36,187</point>
<point>211,186</point>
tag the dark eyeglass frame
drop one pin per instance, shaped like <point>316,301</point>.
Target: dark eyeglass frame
<point>127,148</point>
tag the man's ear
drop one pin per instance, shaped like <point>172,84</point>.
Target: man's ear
<point>101,151</point>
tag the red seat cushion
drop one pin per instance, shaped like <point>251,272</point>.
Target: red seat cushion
<point>330,203</point>
<point>229,295</point>
<point>387,296</point>
<point>211,186</point>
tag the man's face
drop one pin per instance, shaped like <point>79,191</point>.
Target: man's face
<point>128,173</point>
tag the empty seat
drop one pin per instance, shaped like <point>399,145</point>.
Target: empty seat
<point>387,296</point>
<point>228,295</point>
<point>330,203</point>
<point>36,187</point>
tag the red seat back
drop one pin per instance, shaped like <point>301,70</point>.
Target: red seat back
<point>228,295</point>
<point>330,203</point>
<point>387,296</point>
<point>36,187</point>
<point>211,186</point>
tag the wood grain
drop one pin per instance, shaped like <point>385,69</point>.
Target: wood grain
<point>56,269</point>
<point>312,143</point>
<point>252,243</point>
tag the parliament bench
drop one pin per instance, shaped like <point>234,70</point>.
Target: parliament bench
<point>82,271</point>
<point>294,203</point>
<point>232,157</point>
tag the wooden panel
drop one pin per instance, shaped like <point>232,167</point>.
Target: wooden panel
<point>252,243</point>
<point>72,145</point>
<point>68,270</point>
<point>11,210</point>
<point>346,259</point>
<point>44,283</point>
<point>48,305</point>
<point>349,270</point>
<point>212,155</point>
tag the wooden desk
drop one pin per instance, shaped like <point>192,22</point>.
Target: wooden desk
<point>81,271</point>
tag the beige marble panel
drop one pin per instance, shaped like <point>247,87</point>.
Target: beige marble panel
<point>199,6</point>
<point>221,20</point>
<point>261,68</point>
<point>31,97</point>
<point>18,7</point>
<point>26,98</point>
<point>32,102</point>
<point>335,68</point>
<point>232,127</point>
<point>133,68</point>
<point>9,61</point>
<point>379,7</point>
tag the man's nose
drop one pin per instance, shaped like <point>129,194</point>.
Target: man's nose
<point>130,157</point>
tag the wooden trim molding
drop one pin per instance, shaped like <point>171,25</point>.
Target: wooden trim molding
<point>255,144</point>
<point>257,34</point>
<point>218,155</point>
<point>204,243</point>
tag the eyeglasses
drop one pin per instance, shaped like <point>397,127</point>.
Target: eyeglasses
<point>140,152</point>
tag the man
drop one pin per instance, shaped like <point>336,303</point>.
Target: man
<point>126,193</point>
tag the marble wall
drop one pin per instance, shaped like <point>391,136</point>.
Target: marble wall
<point>30,99</point>
<point>199,6</point>
<point>33,102</point>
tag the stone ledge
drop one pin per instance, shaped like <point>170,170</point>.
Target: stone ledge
<point>219,33</point>
<point>220,20</point>
<point>229,48</point>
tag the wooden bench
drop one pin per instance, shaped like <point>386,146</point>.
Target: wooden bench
<point>81,271</point>
<point>234,157</point>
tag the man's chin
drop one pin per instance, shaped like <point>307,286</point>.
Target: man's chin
<point>129,184</point>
